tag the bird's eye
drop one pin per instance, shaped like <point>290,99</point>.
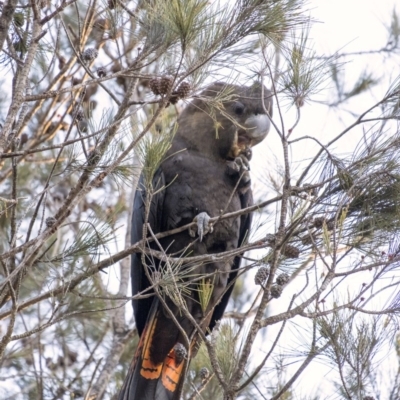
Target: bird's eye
<point>238,108</point>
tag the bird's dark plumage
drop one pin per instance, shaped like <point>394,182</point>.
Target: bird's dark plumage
<point>205,171</point>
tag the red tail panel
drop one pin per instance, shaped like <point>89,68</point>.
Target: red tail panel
<point>147,380</point>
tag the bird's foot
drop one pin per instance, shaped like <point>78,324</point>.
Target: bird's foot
<point>239,168</point>
<point>203,225</point>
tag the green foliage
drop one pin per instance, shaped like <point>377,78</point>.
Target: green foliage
<point>89,240</point>
<point>306,73</point>
<point>206,288</point>
<point>151,151</point>
<point>369,190</point>
<point>353,348</point>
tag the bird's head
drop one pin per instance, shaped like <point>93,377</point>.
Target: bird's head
<point>230,118</point>
<point>251,109</point>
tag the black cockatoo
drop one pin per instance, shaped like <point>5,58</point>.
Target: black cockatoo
<point>204,173</point>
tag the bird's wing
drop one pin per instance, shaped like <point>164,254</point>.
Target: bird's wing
<point>140,281</point>
<point>147,380</point>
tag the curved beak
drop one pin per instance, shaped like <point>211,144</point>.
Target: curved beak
<point>257,128</point>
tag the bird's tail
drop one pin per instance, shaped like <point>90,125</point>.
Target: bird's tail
<point>149,381</point>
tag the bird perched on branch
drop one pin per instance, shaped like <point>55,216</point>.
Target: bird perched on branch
<point>205,174</point>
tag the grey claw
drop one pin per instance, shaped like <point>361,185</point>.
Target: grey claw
<point>242,163</point>
<point>203,225</point>
<point>239,163</point>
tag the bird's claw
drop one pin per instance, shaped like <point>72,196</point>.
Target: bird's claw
<point>203,225</point>
<point>239,168</point>
<point>239,165</point>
